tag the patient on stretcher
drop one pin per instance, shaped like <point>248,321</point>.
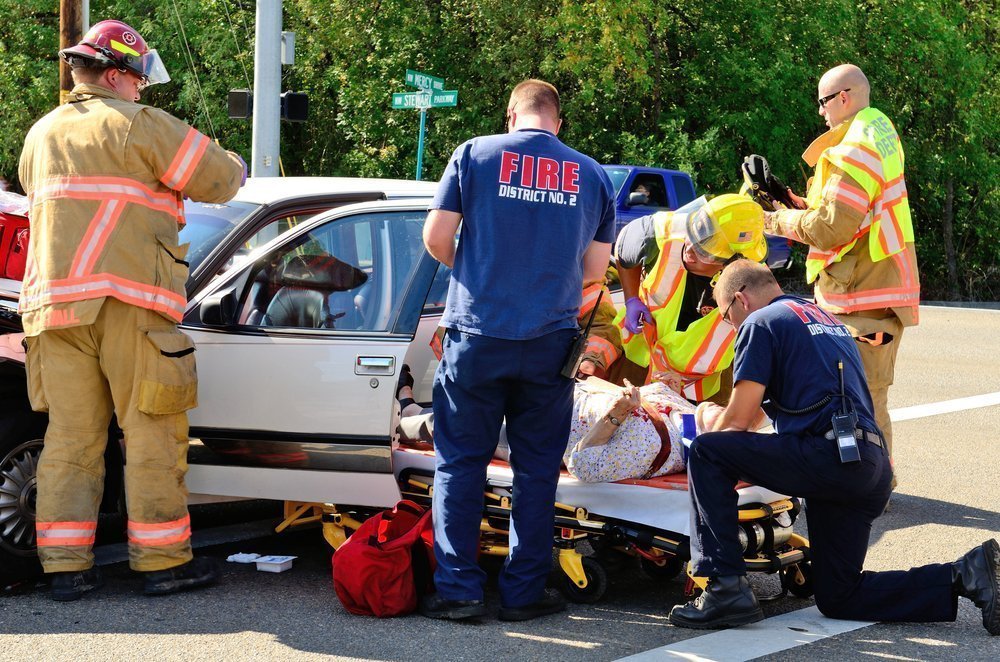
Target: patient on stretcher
<point>645,443</point>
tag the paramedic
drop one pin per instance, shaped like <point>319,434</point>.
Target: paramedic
<point>802,359</point>
<point>537,221</point>
<point>103,292</point>
<point>670,325</point>
<point>856,222</point>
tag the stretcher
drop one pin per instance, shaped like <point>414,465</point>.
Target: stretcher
<point>647,519</point>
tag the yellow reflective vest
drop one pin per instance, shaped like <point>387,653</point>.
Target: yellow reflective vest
<point>701,351</point>
<point>105,180</point>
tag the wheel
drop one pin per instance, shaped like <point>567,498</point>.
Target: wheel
<point>597,583</point>
<point>798,579</point>
<point>20,447</point>
<point>670,568</point>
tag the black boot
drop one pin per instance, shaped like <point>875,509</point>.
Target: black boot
<point>197,572</point>
<point>727,602</point>
<point>551,602</point>
<point>977,576</point>
<point>434,606</point>
<point>67,586</point>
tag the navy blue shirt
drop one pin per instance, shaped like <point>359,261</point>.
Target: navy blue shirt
<point>530,207</point>
<point>792,347</point>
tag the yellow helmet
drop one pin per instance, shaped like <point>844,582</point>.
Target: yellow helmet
<point>729,224</point>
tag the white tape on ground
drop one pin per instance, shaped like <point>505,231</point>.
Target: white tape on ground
<point>795,628</point>
<point>945,407</point>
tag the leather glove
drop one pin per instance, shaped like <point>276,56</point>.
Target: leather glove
<point>636,314</point>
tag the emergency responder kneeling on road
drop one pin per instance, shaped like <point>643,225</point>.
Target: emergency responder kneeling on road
<point>827,449</point>
<point>666,262</point>
<point>102,294</point>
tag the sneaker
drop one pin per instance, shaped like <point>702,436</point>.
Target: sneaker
<point>434,606</point>
<point>198,572</point>
<point>69,586</point>
<point>551,602</point>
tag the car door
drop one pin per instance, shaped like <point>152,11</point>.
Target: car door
<point>299,350</point>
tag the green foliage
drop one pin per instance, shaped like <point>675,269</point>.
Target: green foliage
<point>685,84</point>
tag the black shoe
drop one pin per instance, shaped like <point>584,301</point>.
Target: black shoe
<point>977,576</point>
<point>68,586</point>
<point>727,602</point>
<point>551,602</point>
<point>200,571</point>
<point>434,606</point>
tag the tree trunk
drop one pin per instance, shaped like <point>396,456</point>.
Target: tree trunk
<point>70,34</point>
<point>948,225</point>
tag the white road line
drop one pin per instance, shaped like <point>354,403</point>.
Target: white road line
<point>795,628</point>
<point>945,407</point>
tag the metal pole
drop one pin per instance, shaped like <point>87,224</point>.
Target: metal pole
<point>420,142</point>
<point>85,17</point>
<point>267,90</point>
<point>69,35</point>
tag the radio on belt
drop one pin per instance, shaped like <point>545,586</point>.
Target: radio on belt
<point>844,424</point>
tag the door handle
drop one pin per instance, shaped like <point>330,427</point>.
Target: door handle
<point>375,365</point>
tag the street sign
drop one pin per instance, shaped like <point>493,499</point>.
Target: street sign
<point>423,81</point>
<point>445,98</point>
<point>412,100</point>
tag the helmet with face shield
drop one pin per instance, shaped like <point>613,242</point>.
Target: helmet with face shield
<point>116,44</point>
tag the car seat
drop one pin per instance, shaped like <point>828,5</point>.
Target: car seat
<point>307,282</point>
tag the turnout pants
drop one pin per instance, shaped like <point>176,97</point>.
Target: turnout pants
<point>479,382</point>
<point>133,362</point>
<point>842,500</point>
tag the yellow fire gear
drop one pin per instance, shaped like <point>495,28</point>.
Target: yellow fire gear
<point>136,363</point>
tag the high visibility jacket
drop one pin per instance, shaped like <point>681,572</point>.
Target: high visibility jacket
<point>105,181</point>
<point>702,350</point>
<point>858,225</point>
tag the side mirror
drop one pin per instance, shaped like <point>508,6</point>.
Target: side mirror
<point>637,198</point>
<point>219,308</point>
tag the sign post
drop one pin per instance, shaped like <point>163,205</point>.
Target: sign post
<point>430,94</point>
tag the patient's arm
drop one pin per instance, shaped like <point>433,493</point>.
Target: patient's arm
<point>603,429</point>
<point>743,410</point>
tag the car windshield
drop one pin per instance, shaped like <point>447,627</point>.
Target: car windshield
<point>208,224</point>
<point>618,176</point>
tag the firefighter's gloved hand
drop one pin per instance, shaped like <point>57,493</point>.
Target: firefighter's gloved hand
<point>636,314</point>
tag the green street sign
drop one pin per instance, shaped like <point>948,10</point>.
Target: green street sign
<point>444,98</point>
<point>411,99</point>
<point>423,81</point>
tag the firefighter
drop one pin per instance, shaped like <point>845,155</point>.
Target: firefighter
<point>670,326</point>
<point>102,295</point>
<point>856,222</point>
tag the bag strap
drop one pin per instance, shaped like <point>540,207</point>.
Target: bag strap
<point>664,434</point>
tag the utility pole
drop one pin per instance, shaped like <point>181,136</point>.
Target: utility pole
<point>267,90</point>
<point>71,18</point>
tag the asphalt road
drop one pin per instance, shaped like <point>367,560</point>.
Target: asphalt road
<point>947,502</point>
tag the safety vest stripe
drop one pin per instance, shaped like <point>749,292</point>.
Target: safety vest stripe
<point>863,157</point>
<point>662,292</point>
<point>96,237</point>
<point>104,188</point>
<point>186,160</point>
<point>155,535</point>
<point>854,198</point>
<point>590,294</point>
<point>65,534</point>
<point>710,352</point>
<point>92,287</point>
<point>603,348</point>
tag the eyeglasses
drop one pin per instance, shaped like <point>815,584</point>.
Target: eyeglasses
<point>824,100</point>
<point>725,314</point>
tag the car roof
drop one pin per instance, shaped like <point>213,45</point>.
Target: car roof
<point>268,190</point>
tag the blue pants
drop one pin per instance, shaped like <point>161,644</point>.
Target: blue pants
<point>842,500</point>
<point>479,381</point>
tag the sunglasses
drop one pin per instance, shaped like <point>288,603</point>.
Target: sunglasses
<point>826,99</point>
<point>725,314</point>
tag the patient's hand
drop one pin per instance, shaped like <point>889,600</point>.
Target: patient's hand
<point>588,368</point>
<point>671,379</point>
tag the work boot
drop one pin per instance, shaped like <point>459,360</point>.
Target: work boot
<point>977,576</point>
<point>551,602</point>
<point>727,602</point>
<point>68,586</point>
<point>435,606</point>
<point>200,571</point>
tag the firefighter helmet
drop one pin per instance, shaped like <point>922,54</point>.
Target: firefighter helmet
<point>116,44</point>
<point>726,225</point>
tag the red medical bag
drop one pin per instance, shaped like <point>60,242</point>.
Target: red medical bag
<point>13,245</point>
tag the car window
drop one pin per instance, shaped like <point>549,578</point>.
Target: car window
<point>345,275</point>
<point>617,175</point>
<point>207,224</point>
<point>653,187</point>
<point>436,296</point>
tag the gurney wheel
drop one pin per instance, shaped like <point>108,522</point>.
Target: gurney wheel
<point>671,567</point>
<point>799,585</point>
<point>597,583</point>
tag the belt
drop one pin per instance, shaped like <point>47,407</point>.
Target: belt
<point>861,434</point>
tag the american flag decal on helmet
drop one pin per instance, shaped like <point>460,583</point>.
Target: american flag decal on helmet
<point>743,237</point>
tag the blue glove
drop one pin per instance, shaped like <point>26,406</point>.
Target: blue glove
<point>636,314</point>
<point>243,179</point>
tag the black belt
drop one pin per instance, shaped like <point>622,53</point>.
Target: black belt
<point>860,434</point>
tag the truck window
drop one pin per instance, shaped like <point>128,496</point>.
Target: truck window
<point>618,177</point>
<point>653,186</point>
<point>684,189</point>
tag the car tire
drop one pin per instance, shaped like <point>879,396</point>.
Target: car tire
<point>21,436</point>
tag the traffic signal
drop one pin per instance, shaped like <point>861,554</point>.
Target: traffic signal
<point>294,106</point>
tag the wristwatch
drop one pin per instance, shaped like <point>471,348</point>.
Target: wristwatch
<point>614,421</point>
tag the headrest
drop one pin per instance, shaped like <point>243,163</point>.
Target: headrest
<point>321,272</point>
